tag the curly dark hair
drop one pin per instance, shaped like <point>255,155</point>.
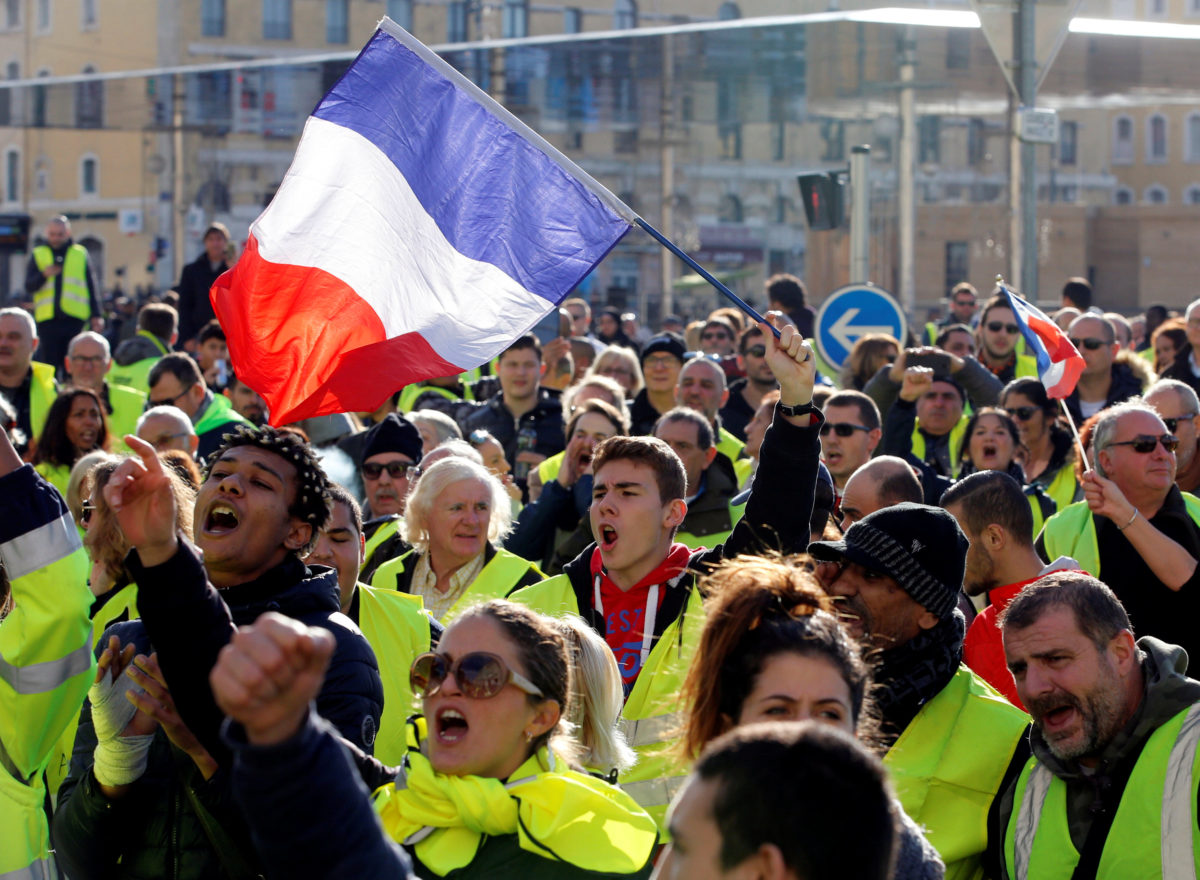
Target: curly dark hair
<point>312,501</point>
<point>53,446</point>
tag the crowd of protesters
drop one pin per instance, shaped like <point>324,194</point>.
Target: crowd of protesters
<point>683,601</point>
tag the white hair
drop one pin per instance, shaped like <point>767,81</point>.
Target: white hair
<point>170,412</point>
<point>22,315</point>
<point>442,475</point>
<point>596,699</point>
<point>90,336</point>
<point>443,426</point>
<point>1105,431</point>
<point>626,357</point>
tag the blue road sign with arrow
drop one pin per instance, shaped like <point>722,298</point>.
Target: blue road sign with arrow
<point>852,312</point>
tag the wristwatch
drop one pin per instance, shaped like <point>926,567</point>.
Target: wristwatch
<point>801,409</point>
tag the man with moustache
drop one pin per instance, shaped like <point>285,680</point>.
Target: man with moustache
<point>950,738</point>
<point>1111,788</point>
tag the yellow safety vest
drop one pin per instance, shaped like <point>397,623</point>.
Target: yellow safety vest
<point>75,303</point>
<point>1064,488</point>
<point>1153,833</point>
<point>650,719</point>
<point>397,627</point>
<point>1072,532</point>
<point>497,579</point>
<point>137,374</point>
<point>729,446</point>
<point>411,392</point>
<point>42,391</point>
<point>57,474</point>
<point>949,763</point>
<point>957,435</point>
<point>1026,366</point>
<point>548,468</point>
<point>386,530</point>
<point>127,404</point>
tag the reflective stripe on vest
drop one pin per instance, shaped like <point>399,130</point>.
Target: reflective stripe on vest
<point>956,441</point>
<point>1176,823</point>
<point>1072,532</point>
<point>41,547</point>
<point>644,731</point>
<point>75,301</point>
<point>42,869</point>
<point>41,678</point>
<point>654,792</point>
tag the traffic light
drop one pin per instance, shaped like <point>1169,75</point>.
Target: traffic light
<point>824,197</point>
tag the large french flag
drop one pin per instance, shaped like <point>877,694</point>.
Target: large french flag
<point>419,230</point>
<point>1059,364</point>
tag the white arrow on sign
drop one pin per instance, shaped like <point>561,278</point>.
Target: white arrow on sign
<point>846,334</point>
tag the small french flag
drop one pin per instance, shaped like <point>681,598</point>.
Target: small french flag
<point>420,229</point>
<point>1059,364</point>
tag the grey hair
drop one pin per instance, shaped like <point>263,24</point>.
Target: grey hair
<point>627,357</point>
<point>169,411</point>
<point>455,446</point>
<point>445,473</point>
<point>93,336</point>
<point>14,312</point>
<point>713,365</point>
<point>442,424</point>
<point>1106,426</point>
<point>1186,394</point>
<point>615,391</point>
<point>1192,306</point>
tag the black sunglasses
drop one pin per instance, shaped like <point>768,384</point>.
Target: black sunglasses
<point>1023,413</point>
<point>396,469</point>
<point>997,326</point>
<point>757,351</point>
<point>1172,424</point>
<point>842,429</point>
<point>1145,443</point>
<point>85,512</point>
<point>480,676</point>
<point>1091,343</point>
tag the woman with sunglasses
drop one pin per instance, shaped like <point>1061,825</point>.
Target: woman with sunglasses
<point>454,520</point>
<point>487,788</point>
<point>1049,447</point>
<point>554,528</point>
<point>772,649</point>
<point>75,425</point>
<point>869,354</point>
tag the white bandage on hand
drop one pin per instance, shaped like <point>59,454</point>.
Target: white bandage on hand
<point>122,759</point>
<point>119,760</point>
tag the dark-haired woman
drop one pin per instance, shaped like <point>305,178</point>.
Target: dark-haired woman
<point>75,425</point>
<point>993,442</point>
<point>487,788</point>
<point>773,650</point>
<point>1049,449</point>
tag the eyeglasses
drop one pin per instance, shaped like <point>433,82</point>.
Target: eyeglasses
<point>85,513</point>
<point>1023,413</point>
<point>96,359</point>
<point>965,302</point>
<point>660,360</point>
<point>615,371</point>
<point>396,469</point>
<point>1145,443</point>
<point>842,429</point>
<point>170,401</point>
<point>480,675</point>
<point>758,351</point>
<point>164,439</point>
<point>1091,343</point>
<point>1172,424</point>
<point>997,326</point>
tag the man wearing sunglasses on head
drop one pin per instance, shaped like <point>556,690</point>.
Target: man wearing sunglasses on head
<point>1135,530</point>
<point>746,393</point>
<point>998,341</point>
<point>1105,380</point>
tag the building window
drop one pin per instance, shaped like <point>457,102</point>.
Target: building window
<point>958,254</point>
<point>729,127</point>
<point>88,13</point>
<point>730,209</point>
<point>8,97</point>
<point>1155,195</point>
<point>1191,133</point>
<point>212,18</point>
<point>12,14</point>
<point>40,96</point>
<point>43,16</point>
<point>1193,8</point>
<point>929,140</point>
<point>89,176</point>
<point>1122,146</point>
<point>976,142</point>
<point>1123,196</point>
<point>833,134</point>
<point>728,11</point>
<point>456,21</point>
<point>12,175</point>
<point>337,21</point>
<point>783,210</point>
<point>1068,143</point>
<point>572,20</point>
<point>401,12</point>
<point>1191,195</point>
<point>277,19</point>
<point>89,102</point>
<point>625,14</point>
<point>1156,138</point>
<point>958,49</point>
<point>516,19</point>
<point>1156,8</point>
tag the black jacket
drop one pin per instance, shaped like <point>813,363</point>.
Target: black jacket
<point>737,413</point>
<point>195,308</point>
<point>189,622</point>
<point>1125,384</point>
<point>642,414</point>
<point>546,420</point>
<point>1181,370</point>
<point>153,831</point>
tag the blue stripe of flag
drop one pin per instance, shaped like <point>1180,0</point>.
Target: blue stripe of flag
<point>494,196</point>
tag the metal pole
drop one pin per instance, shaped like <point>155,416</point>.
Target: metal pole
<point>667,175</point>
<point>907,170</point>
<point>1027,85</point>
<point>860,215</point>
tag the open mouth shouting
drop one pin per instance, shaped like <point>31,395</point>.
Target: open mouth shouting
<point>449,725</point>
<point>221,519</point>
<point>607,538</point>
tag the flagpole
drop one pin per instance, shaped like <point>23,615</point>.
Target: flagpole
<point>705,274</point>
<point>1075,431</point>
